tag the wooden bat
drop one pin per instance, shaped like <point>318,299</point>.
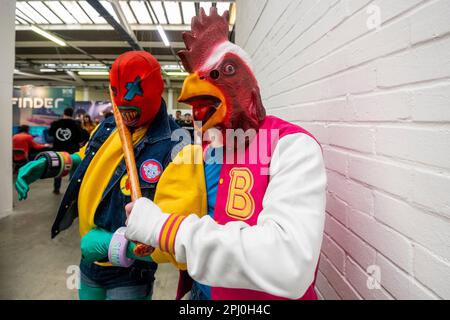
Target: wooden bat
<point>141,250</point>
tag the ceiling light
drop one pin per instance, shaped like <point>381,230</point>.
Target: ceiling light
<point>184,74</point>
<point>47,70</point>
<point>163,35</point>
<point>168,67</point>
<point>93,73</point>
<point>49,36</point>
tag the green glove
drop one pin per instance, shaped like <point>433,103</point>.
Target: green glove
<point>28,174</point>
<point>95,245</point>
<point>33,171</point>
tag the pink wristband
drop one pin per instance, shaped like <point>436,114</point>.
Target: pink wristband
<point>117,252</point>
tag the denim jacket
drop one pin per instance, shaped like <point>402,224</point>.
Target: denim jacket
<point>110,214</point>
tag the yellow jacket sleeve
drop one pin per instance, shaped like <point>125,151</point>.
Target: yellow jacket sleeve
<point>182,190</point>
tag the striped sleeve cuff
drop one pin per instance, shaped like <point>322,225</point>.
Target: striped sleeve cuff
<point>169,232</point>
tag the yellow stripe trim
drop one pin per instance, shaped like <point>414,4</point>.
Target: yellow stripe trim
<point>173,235</point>
<point>165,230</point>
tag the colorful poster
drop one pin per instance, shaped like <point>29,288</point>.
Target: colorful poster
<point>40,106</point>
<point>95,109</point>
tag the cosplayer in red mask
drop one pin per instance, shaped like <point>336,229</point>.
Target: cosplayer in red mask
<point>137,86</point>
<point>99,188</point>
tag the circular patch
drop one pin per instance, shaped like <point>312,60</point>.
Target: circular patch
<point>125,185</point>
<point>63,134</point>
<point>151,170</point>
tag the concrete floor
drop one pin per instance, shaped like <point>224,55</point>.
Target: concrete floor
<point>33,266</point>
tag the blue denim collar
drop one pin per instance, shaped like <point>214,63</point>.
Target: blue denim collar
<point>160,127</point>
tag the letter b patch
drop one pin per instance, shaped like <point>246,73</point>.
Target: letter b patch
<point>240,203</point>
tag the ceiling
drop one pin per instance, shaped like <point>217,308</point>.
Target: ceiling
<point>95,32</point>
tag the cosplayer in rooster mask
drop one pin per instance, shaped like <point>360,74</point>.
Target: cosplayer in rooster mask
<point>258,234</point>
<point>99,182</point>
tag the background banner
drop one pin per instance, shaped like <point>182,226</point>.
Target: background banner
<point>40,106</point>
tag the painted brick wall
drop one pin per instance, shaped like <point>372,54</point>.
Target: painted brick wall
<point>371,80</point>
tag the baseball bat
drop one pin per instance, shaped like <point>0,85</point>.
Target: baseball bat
<point>141,250</point>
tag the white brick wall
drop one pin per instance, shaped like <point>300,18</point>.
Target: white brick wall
<point>379,102</point>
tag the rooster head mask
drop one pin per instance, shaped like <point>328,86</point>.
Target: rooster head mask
<point>221,86</point>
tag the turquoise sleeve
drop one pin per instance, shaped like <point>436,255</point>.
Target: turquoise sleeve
<point>76,160</point>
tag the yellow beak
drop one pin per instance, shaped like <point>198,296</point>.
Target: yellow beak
<point>194,87</point>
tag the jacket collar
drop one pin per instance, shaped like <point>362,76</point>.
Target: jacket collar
<point>160,127</point>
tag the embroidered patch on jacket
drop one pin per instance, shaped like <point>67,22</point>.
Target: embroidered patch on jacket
<point>151,170</point>
<point>125,185</point>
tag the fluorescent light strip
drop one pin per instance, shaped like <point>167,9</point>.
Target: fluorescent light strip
<point>108,6</point>
<point>173,12</point>
<point>158,8</point>
<point>30,12</point>
<point>92,13</point>
<point>127,12</point>
<point>188,11</point>
<point>62,13</point>
<point>93,73</point>
<point>49,36</point>
<point>175,74</point>
<point>43,70</point>
<point>40,7</point>
<point>141,12</point>
<point>76,11</point>
<point>163,35</point>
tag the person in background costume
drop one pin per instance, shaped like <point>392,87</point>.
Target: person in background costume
<point>99,188</point>
<point>257,229</point>
<point>24,141</point>
<point>67,136</point>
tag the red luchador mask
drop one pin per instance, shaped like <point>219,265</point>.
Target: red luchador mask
<point>137,86</point>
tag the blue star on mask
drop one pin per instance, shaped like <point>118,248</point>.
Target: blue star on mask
<point>133,89</point>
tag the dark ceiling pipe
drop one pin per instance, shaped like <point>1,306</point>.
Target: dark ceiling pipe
<point>123,34</point>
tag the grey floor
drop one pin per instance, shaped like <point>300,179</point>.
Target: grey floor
<point>33,266</point>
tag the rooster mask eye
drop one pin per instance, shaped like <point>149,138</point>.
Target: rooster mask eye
<point>229,69</point>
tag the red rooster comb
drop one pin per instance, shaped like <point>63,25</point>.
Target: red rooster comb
<point>207,32</point>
